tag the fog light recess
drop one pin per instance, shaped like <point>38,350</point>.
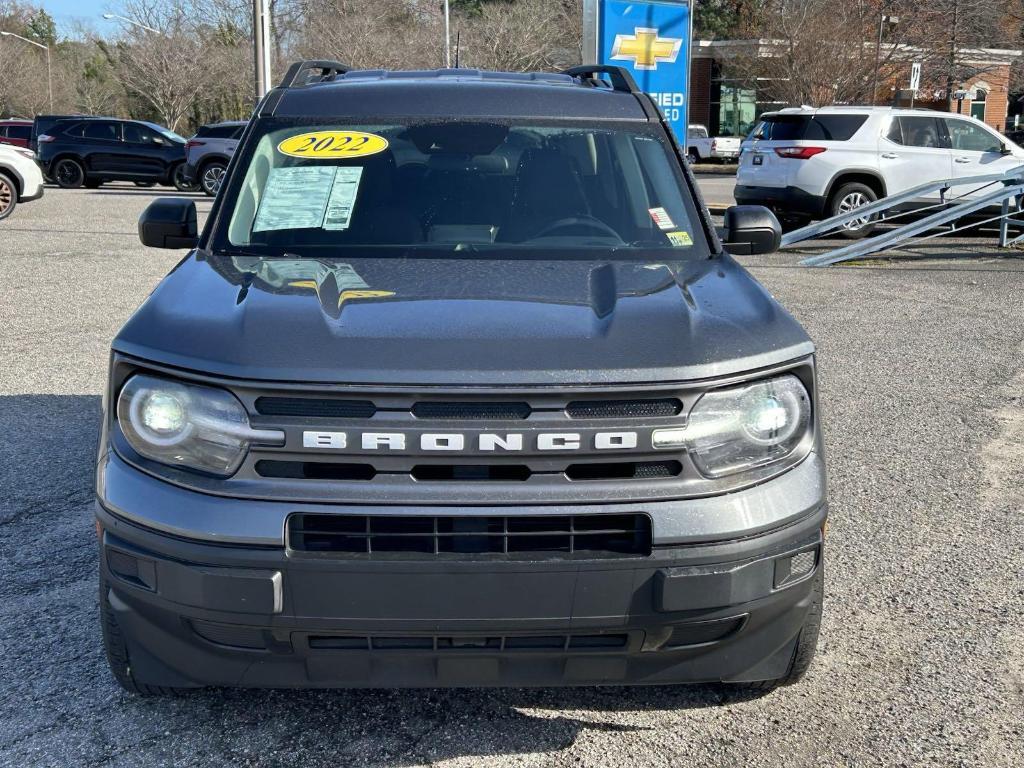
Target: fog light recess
<point>789,570</point>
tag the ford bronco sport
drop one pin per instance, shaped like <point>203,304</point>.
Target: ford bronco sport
<point>458,386</point>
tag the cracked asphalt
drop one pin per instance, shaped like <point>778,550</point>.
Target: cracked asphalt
<point>922,652</point>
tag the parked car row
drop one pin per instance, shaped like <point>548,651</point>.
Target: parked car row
<point>87,151</point>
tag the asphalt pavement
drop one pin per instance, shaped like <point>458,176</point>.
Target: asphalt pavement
<point>922,650</point>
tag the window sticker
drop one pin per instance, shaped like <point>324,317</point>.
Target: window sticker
<point>295,198</point>
<point>333,144</point>
<point>679,239</point>
<point>343,198</point>
<point>661,218</point>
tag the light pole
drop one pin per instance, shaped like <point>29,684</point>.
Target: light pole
<point>882,19</point>
<point>447,36</point>
<point>49,72</point>
<point>126,20</point>
<point>261,46</point>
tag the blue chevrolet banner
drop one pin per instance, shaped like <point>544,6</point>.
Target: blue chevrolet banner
<point>652,40</point>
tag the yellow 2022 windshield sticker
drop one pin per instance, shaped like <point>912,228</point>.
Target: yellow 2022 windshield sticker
<point>333,144</point>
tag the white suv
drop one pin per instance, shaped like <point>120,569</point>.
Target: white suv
<point>20,178</point>
<point>808,163</point>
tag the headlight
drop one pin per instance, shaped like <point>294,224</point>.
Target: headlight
<point>188,425</point>
<point>741,428</point>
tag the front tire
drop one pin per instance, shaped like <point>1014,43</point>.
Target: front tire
<point>69,173</point>
<point>806,643</point>
<point>8,196</point>
<point>117,652</point>
<point>211,178</point>
<point>849,198</point>
<point>178,179</point>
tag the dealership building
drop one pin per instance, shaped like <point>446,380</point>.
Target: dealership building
<point>729,105</point>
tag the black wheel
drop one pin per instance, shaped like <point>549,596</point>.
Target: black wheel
<point>693,157</point>
<point>117,652</point>
<point>849,198</point>
<point>806,643</point>
<point>8,196</point>
<point>211,176</point>
<point>93,183</point>
<point>69,174</point>
<point>178,179</point>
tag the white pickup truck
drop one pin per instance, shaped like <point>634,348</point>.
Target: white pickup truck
<point>701,147</point>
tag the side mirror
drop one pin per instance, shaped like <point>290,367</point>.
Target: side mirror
<point>169,222</point>
<point>751,229</point>
<point>1005,150</point>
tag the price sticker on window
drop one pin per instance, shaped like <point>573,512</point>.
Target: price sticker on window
<point>322,145</point>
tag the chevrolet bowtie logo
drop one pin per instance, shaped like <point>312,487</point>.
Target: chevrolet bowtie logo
<point>645,49</point>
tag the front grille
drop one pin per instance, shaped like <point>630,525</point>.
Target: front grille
<point>471,411</point>
<point>516,537</point>
<point>487,643</point>
<point>315,407</point>
<point>625,470</point>
<point>624,409</point>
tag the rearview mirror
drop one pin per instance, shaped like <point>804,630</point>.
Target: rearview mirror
<point>1004,149</point>
<point>169,222</point>
<point>751,229</point>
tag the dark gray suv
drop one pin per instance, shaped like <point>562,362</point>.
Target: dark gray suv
<point>458,386</point>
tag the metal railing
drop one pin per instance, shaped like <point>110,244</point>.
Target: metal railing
<point>1007,196</point>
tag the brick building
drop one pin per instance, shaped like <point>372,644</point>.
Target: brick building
<point>730,107</point>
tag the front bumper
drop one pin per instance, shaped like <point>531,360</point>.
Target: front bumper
<point>201,613</point>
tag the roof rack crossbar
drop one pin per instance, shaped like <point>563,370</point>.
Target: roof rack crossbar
<point>621,78</point>
<point>327,68</point>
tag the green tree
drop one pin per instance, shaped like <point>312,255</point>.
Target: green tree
<point>42,27</point>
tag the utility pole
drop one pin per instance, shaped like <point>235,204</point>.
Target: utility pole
<point>883,19</point>
<point>954,34</point>
<point>261,46</point>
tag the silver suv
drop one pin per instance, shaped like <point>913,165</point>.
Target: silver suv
<point>208,152</point>
<point>808,163</point>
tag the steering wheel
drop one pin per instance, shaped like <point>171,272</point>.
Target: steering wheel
<point>587,222</point>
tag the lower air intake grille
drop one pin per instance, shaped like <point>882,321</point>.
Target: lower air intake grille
<point>484,643</point>
<point>514,537</point>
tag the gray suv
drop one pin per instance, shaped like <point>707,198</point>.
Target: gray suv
<point>458,386</point>
<point>208,153</point>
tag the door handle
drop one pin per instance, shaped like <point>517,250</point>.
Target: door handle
<point>962,160</point>
<point>889,155</point>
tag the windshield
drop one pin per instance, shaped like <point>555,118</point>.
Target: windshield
<point>167,132</point>
<point>325,188</point>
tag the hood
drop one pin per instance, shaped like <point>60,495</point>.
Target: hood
<point>462,321</point>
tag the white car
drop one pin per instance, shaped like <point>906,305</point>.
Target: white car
<point>700,146</point>
<point>20,178</point>
<point>807,163</point>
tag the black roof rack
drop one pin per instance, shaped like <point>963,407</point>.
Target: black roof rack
<point>621,78</point>
<point>327,69</point>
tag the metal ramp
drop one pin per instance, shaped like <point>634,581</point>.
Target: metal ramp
<point>1006,195</point>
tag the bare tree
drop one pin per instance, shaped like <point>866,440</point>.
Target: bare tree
<point>823,52</point>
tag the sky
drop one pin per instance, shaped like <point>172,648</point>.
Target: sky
<point>67,12</point>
